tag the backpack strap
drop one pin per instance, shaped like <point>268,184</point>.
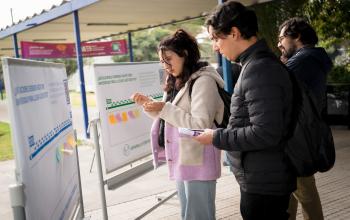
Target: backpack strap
<point>190,93</point>
<point>190,86</point>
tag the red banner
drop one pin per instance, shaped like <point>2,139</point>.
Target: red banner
<point>67,50</point>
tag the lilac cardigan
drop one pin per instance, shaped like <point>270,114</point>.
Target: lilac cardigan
<point>209,170</point>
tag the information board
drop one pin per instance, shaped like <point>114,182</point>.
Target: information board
<point>125,129</point>
<point>43,137</point>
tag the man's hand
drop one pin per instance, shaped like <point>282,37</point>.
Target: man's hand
<point>153,106</point>
<point>283,59</point>
<point>206,137</point>
<point>140,98</point>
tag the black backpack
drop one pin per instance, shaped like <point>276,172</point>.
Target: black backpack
<point>309,145</point>
<point>226,98</point>
<point>309,142</point>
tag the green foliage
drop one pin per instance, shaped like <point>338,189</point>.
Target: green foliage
<point>339,74</point>
<point>144,45</point>
<point>6,152</point>
<point>331,19</point>
<point>70,64</point>
<point>272,14</point>
<point>145,42</point>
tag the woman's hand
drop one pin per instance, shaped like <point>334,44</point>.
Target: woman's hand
<point>140,98</point>
<point>153,106</point>
<point>205,137</point>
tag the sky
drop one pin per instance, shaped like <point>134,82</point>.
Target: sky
<point>21,9</point>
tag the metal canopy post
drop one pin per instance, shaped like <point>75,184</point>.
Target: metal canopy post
<point>226,68</point>
<point>219,59</point>
<point>131,53</point>
<point>15,45</point>
<point>81,71</point>
<point>227,74</point>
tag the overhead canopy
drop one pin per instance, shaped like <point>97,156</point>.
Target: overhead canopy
<point>102,18</point>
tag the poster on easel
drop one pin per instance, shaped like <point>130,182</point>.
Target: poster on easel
<point>125,129</point>
<point>43,137</point>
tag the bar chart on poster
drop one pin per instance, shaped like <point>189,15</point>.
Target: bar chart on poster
<point>43,137</point>
<point>125,129</point>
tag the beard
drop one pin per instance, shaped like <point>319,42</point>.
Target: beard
<point>288,53</point>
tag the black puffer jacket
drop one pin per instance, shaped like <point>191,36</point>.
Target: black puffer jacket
<point>260,112</point>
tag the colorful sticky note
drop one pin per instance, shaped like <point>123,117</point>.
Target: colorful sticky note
<point>131,114</point>
<point>137,113</point>
<point>118,117</point>
<point>71,140</point>
<point>124,117</point>
<point>112,119</point>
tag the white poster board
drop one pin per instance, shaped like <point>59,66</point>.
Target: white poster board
<point>43,138</point>
<point>125,129</point>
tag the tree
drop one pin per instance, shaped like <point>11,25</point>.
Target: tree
<point>145,42</point>
<point>70,64</point>
<point>331,21</point>
<point>272,14</point>
<point>330,18</point>
<point>144,45</point>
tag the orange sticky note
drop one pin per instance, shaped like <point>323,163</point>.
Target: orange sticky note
<point>112,119</point>
<point>124,117</point>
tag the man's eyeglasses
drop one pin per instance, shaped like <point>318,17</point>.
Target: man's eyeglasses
<point>280,38</point>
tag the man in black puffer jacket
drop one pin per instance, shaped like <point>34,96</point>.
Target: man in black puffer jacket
<point>261,108</point>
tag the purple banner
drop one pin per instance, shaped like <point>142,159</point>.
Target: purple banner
<point>67,50</point>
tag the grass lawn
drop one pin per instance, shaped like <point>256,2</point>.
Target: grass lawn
<point>6,152</point>
<point>2,94</point>
<point>75,99</point>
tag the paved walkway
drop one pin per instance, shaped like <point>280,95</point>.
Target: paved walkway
<point>333,186</point>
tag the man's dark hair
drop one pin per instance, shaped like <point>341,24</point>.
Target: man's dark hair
<point>233,14</point>
<point>298,27</point>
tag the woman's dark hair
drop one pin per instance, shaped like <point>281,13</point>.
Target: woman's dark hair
<point>298,27</point>
<point>184,45</point>
<point>233,14</point>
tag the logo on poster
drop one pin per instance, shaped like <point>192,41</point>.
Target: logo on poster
<point>126,150</point>
<point>31,141</point>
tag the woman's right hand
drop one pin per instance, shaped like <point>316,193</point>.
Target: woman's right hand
<point>140,98</point>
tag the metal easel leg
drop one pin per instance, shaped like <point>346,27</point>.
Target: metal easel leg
<point>156,206</point>
<point>92,161</point>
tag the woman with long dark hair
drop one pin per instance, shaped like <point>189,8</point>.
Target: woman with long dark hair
<point>191,100</point>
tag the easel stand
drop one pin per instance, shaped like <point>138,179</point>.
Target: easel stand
<point>17,201</point>
<point>120,179</point>
<point>93,125</point>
